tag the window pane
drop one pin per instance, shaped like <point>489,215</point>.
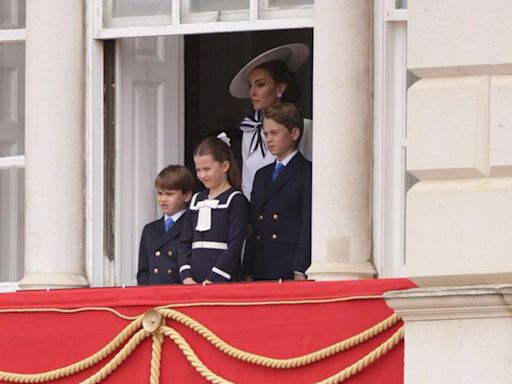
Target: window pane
<point>12,14</point>
<point>401,4</point>
<point>12,223</point>
<point>279,9</point>
<point>12,99</point>
<point>125,13</point>
<point>208,11</point>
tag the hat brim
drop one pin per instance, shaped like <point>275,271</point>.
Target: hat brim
<point>293,55</point>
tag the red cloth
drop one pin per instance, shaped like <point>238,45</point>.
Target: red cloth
<point>34,342</point>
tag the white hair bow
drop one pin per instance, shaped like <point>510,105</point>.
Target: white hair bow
<point>224,138</point>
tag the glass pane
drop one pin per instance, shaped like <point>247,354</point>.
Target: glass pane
<point>12,14</point>
<point>12,223</point>
<point>12,99</point>
<point>400,4</point>
<point>128,13</point>
<point>279,9</point>
<point>210,11</point>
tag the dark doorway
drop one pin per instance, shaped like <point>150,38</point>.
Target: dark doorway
<point>211,61</point>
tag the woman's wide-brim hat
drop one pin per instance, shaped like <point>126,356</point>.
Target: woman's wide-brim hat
<point>293,55</point>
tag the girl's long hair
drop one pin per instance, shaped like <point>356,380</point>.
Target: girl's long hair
<point>221,152</point>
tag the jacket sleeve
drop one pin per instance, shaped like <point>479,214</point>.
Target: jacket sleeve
<point>185,248</point>
<point>143,271</point>
<point>230,258</point>
<point>302,258</point>
<point>248,259</point>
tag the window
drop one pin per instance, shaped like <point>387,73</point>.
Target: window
<point>152,100</point>
<point>124,18</point>
<point>12,139</point>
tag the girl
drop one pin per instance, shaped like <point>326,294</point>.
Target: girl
<point>268,80</point>
<point>216,221</point>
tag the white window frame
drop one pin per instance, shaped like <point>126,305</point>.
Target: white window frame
<point>100,270</point>
<point>11,36</point>
<point>390,74</point>
<point>303,18</point>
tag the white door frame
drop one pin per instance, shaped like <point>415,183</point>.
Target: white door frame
<point>390,95</point>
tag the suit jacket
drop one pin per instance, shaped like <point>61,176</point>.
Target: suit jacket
<point>158,253</point>
<point>280,217</point>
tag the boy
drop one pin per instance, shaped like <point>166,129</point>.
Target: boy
<point>158,254</point>
<point>280,207</point>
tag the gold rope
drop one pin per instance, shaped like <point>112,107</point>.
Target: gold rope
<point>76,367</point>
<point>337,378</point>
<point>359,365</point>
<point>279,363</point>
<point>195,304</point>
<point>156,355</point>
<point>226,348</point>
<point>118,359</point>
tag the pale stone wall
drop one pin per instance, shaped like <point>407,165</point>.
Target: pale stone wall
<point>459,216</point>
<point>457,335</point>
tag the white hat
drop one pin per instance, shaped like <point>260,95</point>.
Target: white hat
<point>293,55</point>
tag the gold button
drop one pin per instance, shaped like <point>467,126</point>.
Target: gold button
<point>258,237</point>
<point>155,270</point>
<point>275,217</point>
<point>169,271</point>
<point>157,253</point>
<point>260,217</point>
<point>169,253</point>
<point>274,236</point>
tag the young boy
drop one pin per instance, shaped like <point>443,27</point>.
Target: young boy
<point>280,210</point>
<point>158,254</point>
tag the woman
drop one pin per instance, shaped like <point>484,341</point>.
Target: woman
<point>268,80</point>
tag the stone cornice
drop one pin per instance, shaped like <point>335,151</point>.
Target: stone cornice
<point>478,301</point>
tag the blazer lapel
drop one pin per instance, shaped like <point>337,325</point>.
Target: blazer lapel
<point>173,232</point>
<point>291,169</point>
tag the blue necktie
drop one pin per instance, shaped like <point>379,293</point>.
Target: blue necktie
<point>168,224</point>
<point>277,170</point>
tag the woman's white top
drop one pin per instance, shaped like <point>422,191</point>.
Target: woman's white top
<point>255,154</point>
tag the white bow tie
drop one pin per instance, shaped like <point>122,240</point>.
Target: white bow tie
<point>204,220</point>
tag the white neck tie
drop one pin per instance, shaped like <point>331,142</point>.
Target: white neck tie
<point>204,220</point>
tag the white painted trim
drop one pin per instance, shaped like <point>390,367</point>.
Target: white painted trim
<point>389,137</point>
<point>391,13</point>
<point>12,35</point>
<point>94,132</point>
<point>253,10</point>
<point>12,162</point>
<point>193,28</point>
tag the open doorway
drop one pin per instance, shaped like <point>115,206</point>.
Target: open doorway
<point>172,91</point>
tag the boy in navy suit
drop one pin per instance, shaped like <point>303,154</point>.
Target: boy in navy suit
<point>159,244</point>
<point>280,210</point>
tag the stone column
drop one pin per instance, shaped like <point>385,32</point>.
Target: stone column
<point>54,240</point>
<point>342,108</point>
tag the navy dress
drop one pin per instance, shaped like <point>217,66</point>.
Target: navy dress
<point>280,217</point>
<point>158,253</point>
<point>214,254</point>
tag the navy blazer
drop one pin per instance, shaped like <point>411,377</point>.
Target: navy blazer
<point>214,254</point>
<point>158,253</point>
<point>280,217</point>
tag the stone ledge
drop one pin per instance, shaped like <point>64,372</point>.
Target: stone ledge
<point>442,303</point>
